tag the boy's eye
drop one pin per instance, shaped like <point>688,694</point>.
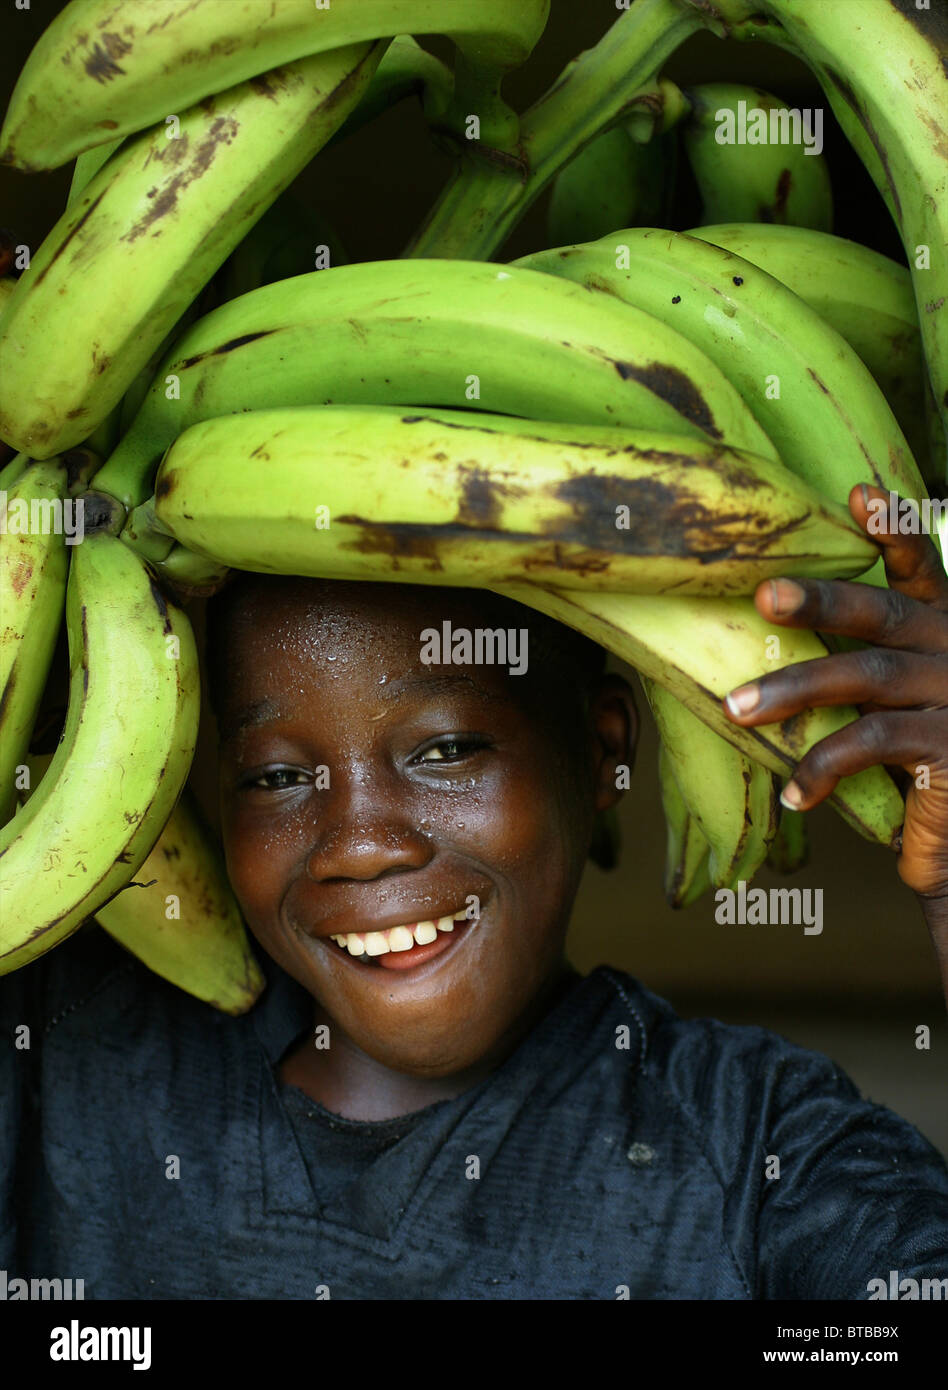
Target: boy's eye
<point>277,779</point>
<point>449,750</point>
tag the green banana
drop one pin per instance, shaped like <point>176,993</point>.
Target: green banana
<point>899,127</point>
<point>866,297</point>
<point>87,166</point>
<point>625,177</point>
<point>686,849</point>
<point>116,77</point>
<point>157,219</point>
<point>790,848</point>
<point>745,178</point>
<point>13,470</point>
<point>74,845</point>
<point>485,198</point>
<point>34,561</point>
<point>803,383</point>
<point>180,917</point>
<point>450,497</point>
<point>438,333</point>
<point>702,648</point>
<point>7,286</point>
<point>732,798</point>
<point>613,182</point>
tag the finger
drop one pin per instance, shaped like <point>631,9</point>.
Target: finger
<point>913,563</point>
<point>905,738</point>
<point>883,617</point>
<point>877,675</point>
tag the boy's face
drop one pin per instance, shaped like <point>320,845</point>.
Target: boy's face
<point>362,789</point>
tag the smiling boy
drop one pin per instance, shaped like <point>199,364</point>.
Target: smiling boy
<point>425,1105</point>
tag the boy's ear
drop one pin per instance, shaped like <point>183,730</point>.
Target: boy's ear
<point>606,842</point>
<point>615,722</point>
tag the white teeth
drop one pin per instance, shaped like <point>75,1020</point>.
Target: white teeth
<point>400,939</point>
<point>379,943</point>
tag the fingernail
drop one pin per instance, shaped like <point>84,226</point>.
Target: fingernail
<point>791,797</point>
<point>865,496</point>
<point>786,595</point>
<point>743,699</point>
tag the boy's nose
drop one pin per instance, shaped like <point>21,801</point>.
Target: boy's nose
<point>362,842</point>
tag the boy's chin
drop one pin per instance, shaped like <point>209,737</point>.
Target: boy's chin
<point>452,1013</point>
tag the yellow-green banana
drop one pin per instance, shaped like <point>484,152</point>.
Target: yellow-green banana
<point>436,333</point>
<point>180,917</point>
<point>790,848</point>
<point>732,798</point>
<point>34,560</point>
<point>754,159</point>
<point>123,758</point>
<point>148,230</point>
<point>12,470</point>
<point>7,286</point>
<point>449,497</point>
<point>686,849</point>
<point>894,110</point>
<point>116,73</point>
<point>625,177</point>
<point>803,383</point>
<point>865,296</point>
<point>613,182</point>
<point>702,648</point>
<point>87,166</point>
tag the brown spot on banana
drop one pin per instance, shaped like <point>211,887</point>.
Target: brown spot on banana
<point>674,386</point>
<point>229,346</point>
<point>222,131</point>
<point>101,64</point>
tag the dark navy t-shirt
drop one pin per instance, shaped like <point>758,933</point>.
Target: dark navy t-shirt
<point>148,1147</point>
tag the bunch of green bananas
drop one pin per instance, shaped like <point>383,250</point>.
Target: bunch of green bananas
<point>663,418</point>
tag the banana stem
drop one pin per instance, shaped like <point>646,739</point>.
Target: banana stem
<point>489,193</point>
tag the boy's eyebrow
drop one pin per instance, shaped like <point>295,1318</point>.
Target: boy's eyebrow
<point>437,685</point>
<point>257,713</point>
<point>262,711</point>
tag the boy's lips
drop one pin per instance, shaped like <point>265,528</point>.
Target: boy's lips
<point>405,945</point>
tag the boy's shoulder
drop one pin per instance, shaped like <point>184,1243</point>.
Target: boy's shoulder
<point>683,1050</point>
<point>724,1080</point>
<point>90,984</point>
<point>63,979</point>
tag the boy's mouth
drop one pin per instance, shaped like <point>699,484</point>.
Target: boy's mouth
<point>403,947</point>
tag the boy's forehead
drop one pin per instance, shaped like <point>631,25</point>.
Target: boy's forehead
<point>344,613</point>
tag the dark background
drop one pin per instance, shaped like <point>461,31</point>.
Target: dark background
<point>858,991</point>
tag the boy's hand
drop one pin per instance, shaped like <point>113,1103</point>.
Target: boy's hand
<point>899,683</point>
